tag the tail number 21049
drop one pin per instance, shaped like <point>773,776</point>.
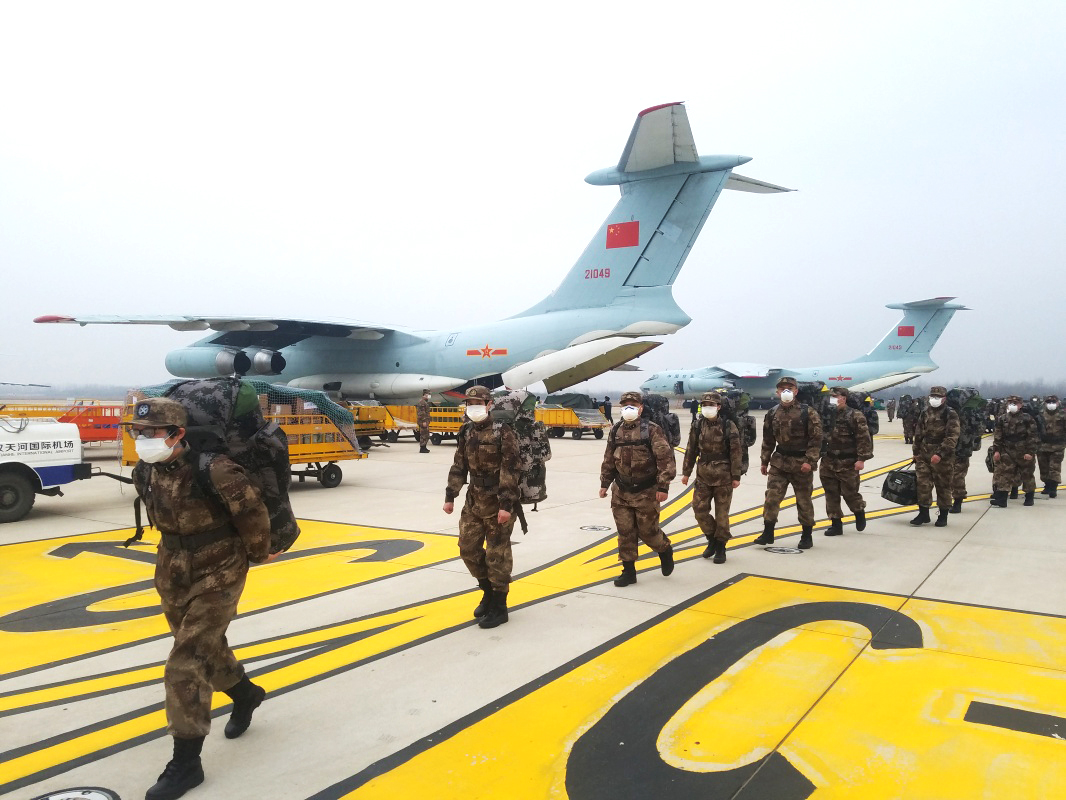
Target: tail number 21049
<point>591,274</point>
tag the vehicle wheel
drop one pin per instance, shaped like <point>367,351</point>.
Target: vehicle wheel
<point>365,442</point>
<point>598,433</point>
<point>576,434</point>
<point>436,438</point>
<point>383,437</point>
<point>16,497</point>
<point>557,433</point>
<point>393,435</point>
<point>330,476</point>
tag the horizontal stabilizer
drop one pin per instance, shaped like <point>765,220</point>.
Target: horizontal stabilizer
<point>741,184</point>
<point>572,365</point>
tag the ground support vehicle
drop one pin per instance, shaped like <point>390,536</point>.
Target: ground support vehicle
<point>560,419</point>
<point>37,456</point>
<point>97,420</point>
<point>444,422</point>
<point>372,420</point>
<point>320,432</point>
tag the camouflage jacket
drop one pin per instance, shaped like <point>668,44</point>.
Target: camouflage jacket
<point>716,444</point>
<point>1015,433</point>
<point>634,461</point>
<point>784,435</point>
<point>1054,430</point>
<point>936,433</point>
<point>487,454</point>
<point>847,436</point>
<point>423,412</point>
<point>177,504</point>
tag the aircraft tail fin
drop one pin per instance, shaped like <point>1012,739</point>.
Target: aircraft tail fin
<point>915,334</point>
<point>668,191</point>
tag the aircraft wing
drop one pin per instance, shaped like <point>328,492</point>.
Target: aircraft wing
<point>268,331</point>
<point>740,369</point>
<point>572,365</point>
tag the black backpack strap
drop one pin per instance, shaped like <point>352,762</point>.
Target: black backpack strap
<point>137,520</point>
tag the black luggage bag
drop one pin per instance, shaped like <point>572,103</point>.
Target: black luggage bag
<point>901,486</point>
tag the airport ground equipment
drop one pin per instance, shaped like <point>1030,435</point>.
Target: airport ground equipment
<point>37,456</point>
<point>320,432</point>
<point>97,420</point>
<point>578,421</point>
<point>444,422</point>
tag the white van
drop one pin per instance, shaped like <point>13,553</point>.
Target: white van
<point>37,456</point>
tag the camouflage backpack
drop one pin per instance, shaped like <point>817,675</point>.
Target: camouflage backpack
<point>857,400</point>
<point>657,410</point>
<point>971,408</point>
<point>225,419</point>
<point>735,405</point>
<point>516,411</point>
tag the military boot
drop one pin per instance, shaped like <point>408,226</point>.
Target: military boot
<point>860,520</point>
<point>719,552</point>
<point>666,560</point>
<point>1014,493</point>
<point>182,773</point>
<point>423,449</point>
<point>941,519</point>
<point>709,550</point>
<point>629,574</point>
<point>923,516</point>
<point>1052,490</point>
<point>486,598</point>
<point>1028,499</point>
<point>836,528</point>
<point>497,613</point>
<point>246,697</point>
<point>806,542</point>
<point>999,499</point>
<point>767,533</point>
<point>956,506</point>
<point>1044,489</point>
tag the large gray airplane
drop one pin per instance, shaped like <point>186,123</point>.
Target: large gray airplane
<point>903,354</point>
<point>618,291</point>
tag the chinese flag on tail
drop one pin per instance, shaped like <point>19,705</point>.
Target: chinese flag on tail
<point>623,234</point>
<point>905,330</point>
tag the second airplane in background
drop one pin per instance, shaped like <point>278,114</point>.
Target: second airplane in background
<point>903,354</point>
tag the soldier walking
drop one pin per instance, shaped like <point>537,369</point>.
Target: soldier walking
<point>205,546</point>
<point>936,433</point>
<point>791,444</point>
<point>486,458</point>
<point>1014,446</point>
<point>909,413</point>
<point>971,410</point>
<point>607,409</point>
<point>638,466</point>
<point>714,443</point>
<point>890,407</point>
<point>1052,445</point>
<point>423,423</point>
<point>848,446</point>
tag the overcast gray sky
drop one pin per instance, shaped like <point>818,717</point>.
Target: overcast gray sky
<point>422,164</point>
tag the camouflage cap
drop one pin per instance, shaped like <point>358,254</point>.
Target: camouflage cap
<point>840,390</point>
<point>938,391</point>
<point>158,412</point>
<point>635,398</point>
<point>1015,399</point>
<point>1051,398</point>
<point>479,393</point>
<point>788,382</point>
<point>711,397</point>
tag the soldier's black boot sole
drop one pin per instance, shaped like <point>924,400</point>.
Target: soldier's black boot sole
<point>1028,499</point>
<point>999,499</point>
<point>666,561</point>
<point>806,539</point>
<point>767,536</point>
<point>245,702</point>
<point>628,576</point>
<point>860,520</point>
<point>941,519</point>
<point>956,506</point>
<point>497,613</point>
<point>719,552</point>
<point>835,528</point>
<point>923,516</point>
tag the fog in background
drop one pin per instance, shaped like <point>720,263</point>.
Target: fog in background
<point>423,165</point>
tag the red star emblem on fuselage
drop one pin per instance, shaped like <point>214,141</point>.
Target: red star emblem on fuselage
<point>486,352</point>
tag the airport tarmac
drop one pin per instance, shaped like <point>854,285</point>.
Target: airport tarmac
<point>900,662</point>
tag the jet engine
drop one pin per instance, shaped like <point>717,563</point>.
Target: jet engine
<point>208,362</point>
<point>266,362</point>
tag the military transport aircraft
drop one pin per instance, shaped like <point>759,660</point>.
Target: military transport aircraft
<point>902,355</point>
<point>618,291</point>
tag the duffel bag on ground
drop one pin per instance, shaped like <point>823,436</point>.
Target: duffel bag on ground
<point>901,486</point>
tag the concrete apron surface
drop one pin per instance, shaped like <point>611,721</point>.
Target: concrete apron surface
<point>898,662</point>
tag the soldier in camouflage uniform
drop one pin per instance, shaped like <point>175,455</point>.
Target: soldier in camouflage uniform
<point>848,446</point>
<point>890,407</point>
<point>517,409</point>
<point>639,462</point>
<point>423,423</point>
<point>909,414</point>
<point>1014,446</point>
<point>715,443</point>
<point>936,433</point>
<point>971,410</point>
<point>1052,445</point>
<point>486,457</point>
<point>201,565</point>
<point>791,444</point>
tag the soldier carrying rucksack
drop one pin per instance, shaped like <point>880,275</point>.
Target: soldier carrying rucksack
<point>657,410</point>
<point>971,408</point>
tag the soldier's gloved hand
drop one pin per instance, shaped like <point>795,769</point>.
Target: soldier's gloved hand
<point>935,459</point>
<point>684,480</point>
<point>660,497</point>
<point>502,517</point>
<point>806,467</point>
<point>449,508</point>
<point>603,492</point>
<point>859,465</point>
<point>995,456</point>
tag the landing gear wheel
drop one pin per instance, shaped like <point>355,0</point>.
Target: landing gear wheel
<point>330,476</point>
<point>16,497</point>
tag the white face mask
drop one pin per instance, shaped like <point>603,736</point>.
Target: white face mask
<point>153,451</point>
<point>1012,409</point>
<point>477,413</point>
<point>1052,406</point>
<point>787,395</point>
<point>710,412</point>
<point>839,402</point>
<point>934,402</point>
<point>630,413</point>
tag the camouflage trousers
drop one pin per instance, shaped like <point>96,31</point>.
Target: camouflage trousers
<point>908,427</point>
<point>714,527</point>
<point>423,434</point>
<point>199,592</point>
<point>636,516</point>
<point>485,547</point>
<point>840,479</point>
<point>777,483</point>
<point>938,476</point>
<point>958,478</point>
<point>1050,462</point>
<point>1013,470</point>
